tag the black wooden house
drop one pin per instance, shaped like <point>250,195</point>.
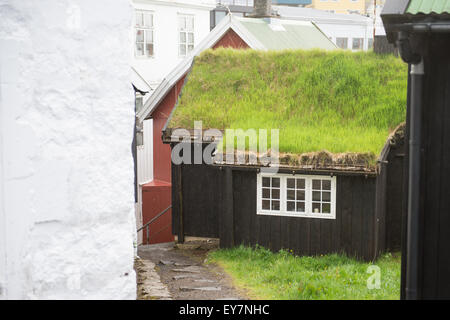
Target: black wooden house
<point>421,32</point>
<point>319,202</point>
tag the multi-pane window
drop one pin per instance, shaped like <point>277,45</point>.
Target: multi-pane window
<point>271,193</point>
<point>297,195</point>
<point>321,196</point>
<point>342,43</point>
<point>358,43</point>
<point>186,34</point>
<point>144,34</point>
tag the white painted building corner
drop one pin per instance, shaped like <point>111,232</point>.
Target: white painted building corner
<point>66,169</point>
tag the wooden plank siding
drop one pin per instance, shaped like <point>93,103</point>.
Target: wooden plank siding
<point>434,253</point>
<point>434,233</point>
<point>394,195</point>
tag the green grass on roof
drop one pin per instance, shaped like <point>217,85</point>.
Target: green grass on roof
<point>336,101</point>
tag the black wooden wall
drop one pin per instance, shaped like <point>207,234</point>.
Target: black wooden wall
<point>395,206</point>
<point>434,271</point>
<point>201,204</point>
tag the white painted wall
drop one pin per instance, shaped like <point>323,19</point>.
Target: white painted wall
<point>166,36</point>
<point>66,180</point>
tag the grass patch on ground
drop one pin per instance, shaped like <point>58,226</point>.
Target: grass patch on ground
<point>319,100</point>
<point>268,275</point>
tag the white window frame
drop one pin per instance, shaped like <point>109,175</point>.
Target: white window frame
<point>308,196</point>
<point>145,29</point>
<point>186,31</point>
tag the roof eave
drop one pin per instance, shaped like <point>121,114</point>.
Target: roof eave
<point>369,172</point>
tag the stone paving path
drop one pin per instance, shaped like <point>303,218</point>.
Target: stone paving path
<point>179,272</point>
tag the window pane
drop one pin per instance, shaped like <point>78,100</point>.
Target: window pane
<point>291,194</point>
<point>182,50</point>
<point>326,185</point>
<point>183,37</point>
<point>300,183</point>
<point>190,38</point>
<point>275,193</point>
<point>182,23</point>
<point>148,20</point>
<point>139,19</point>
<point>266,204</point>
<point>300,194</point>
<point>291,183</point>
<point>316,195</point>
<point>139,35</point>
<point>266,193</point>
<point>266,182</point>
<point>342,43</point>
<point>357,43</point>
<point>276,182</point>
<point>326,196</point>
<point>190,47</point>
<point>326,208</point>
<point>316,184</point>
<point>149,49</point>
<point>316,207</point>
<point>300,207</point>
<point>139,49</point>
<point>149,36</point>
<point>275,205</point>
<point>290,206</point>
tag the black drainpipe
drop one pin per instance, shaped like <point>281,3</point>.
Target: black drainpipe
<point>415,133</point>
<point>415,130</point>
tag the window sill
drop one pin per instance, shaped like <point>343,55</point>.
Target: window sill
<point>328,216</point>
<point>144,57</point>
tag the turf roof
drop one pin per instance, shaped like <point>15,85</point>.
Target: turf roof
<point>336,101</point>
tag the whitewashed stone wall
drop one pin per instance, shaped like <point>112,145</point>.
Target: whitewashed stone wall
<point>66,168</point>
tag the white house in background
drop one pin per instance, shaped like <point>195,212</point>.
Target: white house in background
<point>165,31</point>
<point>347,31</point>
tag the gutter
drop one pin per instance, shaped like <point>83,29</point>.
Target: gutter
<point>422,27</point>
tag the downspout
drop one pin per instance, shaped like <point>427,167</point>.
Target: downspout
<point>415,130</point>
<point>415,134</point>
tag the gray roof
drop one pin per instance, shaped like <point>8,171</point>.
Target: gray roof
<point>314,14</point>
<point>278,34</point>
